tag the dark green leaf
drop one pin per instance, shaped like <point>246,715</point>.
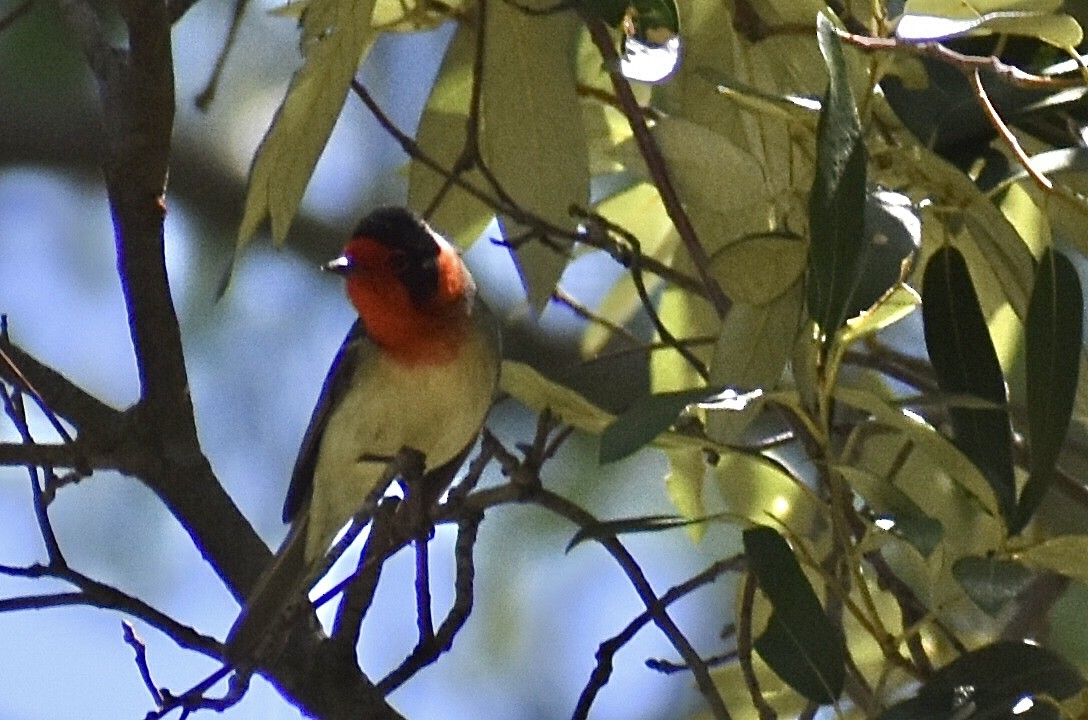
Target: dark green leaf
<point>611,11</point>
<point>800,644</point>
<point>647,418</point>
<point>964,359</point>
<point>837,200</point>
<point>989,682</point>
<point>991,582</point>
<point>893,233</point>
<point>626,526</point>
<point>1052,356</point>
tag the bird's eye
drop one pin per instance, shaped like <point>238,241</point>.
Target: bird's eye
<point>397,262</point>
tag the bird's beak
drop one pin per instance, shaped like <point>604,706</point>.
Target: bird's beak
<point>341,265</point>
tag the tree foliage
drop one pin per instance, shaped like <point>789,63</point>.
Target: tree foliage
<point>850,238</point>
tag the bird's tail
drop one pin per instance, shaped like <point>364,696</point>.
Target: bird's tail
<point>278,597</point>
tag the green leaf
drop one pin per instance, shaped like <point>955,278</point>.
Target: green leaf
<point>759,489</point>
<point>627,526</point>
<point>1052,356</point>
<point>944,454</point>
<point>991,582</point>
<point>539,393</point>
<point>930,21</point>
<point>532,135</point>
<point>753,347</point>
<point>759,268</point>
<point>611,11</point>
<point>893,233</point>
<point>442,136</point>
<point>882,496</point>
<point>895,306</point>
<point>335,36</point>
<point>837,200</point>
<point>647,418</point>
<point>800,644</point>
<point>638,209</point>
<point>986,684</point>
<point>1064,555</point>
<point>684,485</point>
<point>963,357</point>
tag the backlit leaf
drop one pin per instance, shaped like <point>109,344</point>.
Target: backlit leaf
<point>1064,555</point>
<point>684,485</point>
<point>442,136</point>
<point>532,136</point>
<point>753,347</point>
<point>758,489</point>
<point>335,36</point>
<point>539,393</point>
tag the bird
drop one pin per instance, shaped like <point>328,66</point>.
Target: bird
<point>417,370</point>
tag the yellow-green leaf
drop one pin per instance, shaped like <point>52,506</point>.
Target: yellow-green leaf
<point>442,136</point>
<point>761,491</point>
<point>1064,555</point>
<point>758,269</point>
<point>753,346</point>
<point>684,484</point>
<point>539,393</point>
<point>533,139</point>
<point>335,36</point>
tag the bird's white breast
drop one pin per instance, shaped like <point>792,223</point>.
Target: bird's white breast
<point>435,409</point>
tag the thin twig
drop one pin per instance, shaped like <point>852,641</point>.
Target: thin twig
<point>655,161</point>
<point>13,406</point>
<point>607,650</point>
<point>359,593</point>
<point>205,97</point>
<point>441,641</point>
<point>973,63</point>
<point>571,511</point>
<point>632,260</point>
<point>744,648</point>
<point>544,228</point>
<point>139,649</point>
<point>93,593</point>
<point>1005,133</point>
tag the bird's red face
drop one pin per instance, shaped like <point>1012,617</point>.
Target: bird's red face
<point>410,288</point>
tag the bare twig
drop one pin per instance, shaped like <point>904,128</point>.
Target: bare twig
<point>139,649</point>
<point>204,99</point>
<point>632,259</point>
<point>1005,134</point>
<point>96,594</point>
<point>569,510</point>
<point>967,63</point>
<point>744,648</point>
<point>655,161</point>
<point>426,652</point>
<point>607,650</point>
<point>540,226</point>
<point>359,593</point>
